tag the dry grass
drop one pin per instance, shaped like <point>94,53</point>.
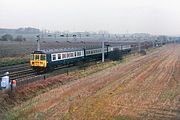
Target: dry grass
<point>146,87</point>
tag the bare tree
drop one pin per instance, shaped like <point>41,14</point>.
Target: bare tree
<point>19,38</point>
<point>7,37</point>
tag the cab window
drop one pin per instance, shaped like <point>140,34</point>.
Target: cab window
<point>43,57</point>
<point>36,57</point>
<point>32,56</point>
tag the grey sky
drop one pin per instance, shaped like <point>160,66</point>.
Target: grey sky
<point>115,16</point>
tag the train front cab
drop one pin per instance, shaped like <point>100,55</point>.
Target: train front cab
<point>38,61</point>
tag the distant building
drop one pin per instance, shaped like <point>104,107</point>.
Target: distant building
<point>28,30</point>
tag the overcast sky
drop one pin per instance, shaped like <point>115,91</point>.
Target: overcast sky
<point>115,16</point>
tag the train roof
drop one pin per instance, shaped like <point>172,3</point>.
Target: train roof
<point>59,50</point>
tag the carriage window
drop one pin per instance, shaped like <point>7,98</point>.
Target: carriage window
<point>78,53</point>
<point>64,55</point>
<point>69,55</point>
<point>88,52</point>
<point>59,56</point>
<point>54,57</point>
<point>72,54</point>
<point>75,54</point>
<point>43,57</point>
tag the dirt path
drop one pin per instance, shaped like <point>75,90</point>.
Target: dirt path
<point>143,88</point>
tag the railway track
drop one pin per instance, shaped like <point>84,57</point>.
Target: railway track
<point>14,68</point>
<point>31,77</point>
<point>24,74</point>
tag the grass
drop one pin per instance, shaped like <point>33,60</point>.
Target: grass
<point>168,95</point>
<point>13,61</point>
<point>78,73</point>
<point>124,118</point>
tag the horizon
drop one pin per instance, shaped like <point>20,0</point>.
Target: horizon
<point>97,32</point>
<point>132,16</point>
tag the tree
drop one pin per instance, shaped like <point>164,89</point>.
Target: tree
<point>7,37</point>
<point>20,38</point>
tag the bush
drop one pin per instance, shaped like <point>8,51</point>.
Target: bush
<point>143,52</point>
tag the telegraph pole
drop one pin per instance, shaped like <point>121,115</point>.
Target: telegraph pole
<point>38,42</point>
<point>153,44</point>
<point>103,51</point>
<point>139,46</point>
<point>103,48</point>
<point>67,36</point>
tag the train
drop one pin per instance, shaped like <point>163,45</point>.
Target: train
<point>48,59</point>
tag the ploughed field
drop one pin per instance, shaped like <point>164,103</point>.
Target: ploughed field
<point>145,87</point>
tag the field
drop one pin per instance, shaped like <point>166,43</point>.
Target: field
<point>144,87</point>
